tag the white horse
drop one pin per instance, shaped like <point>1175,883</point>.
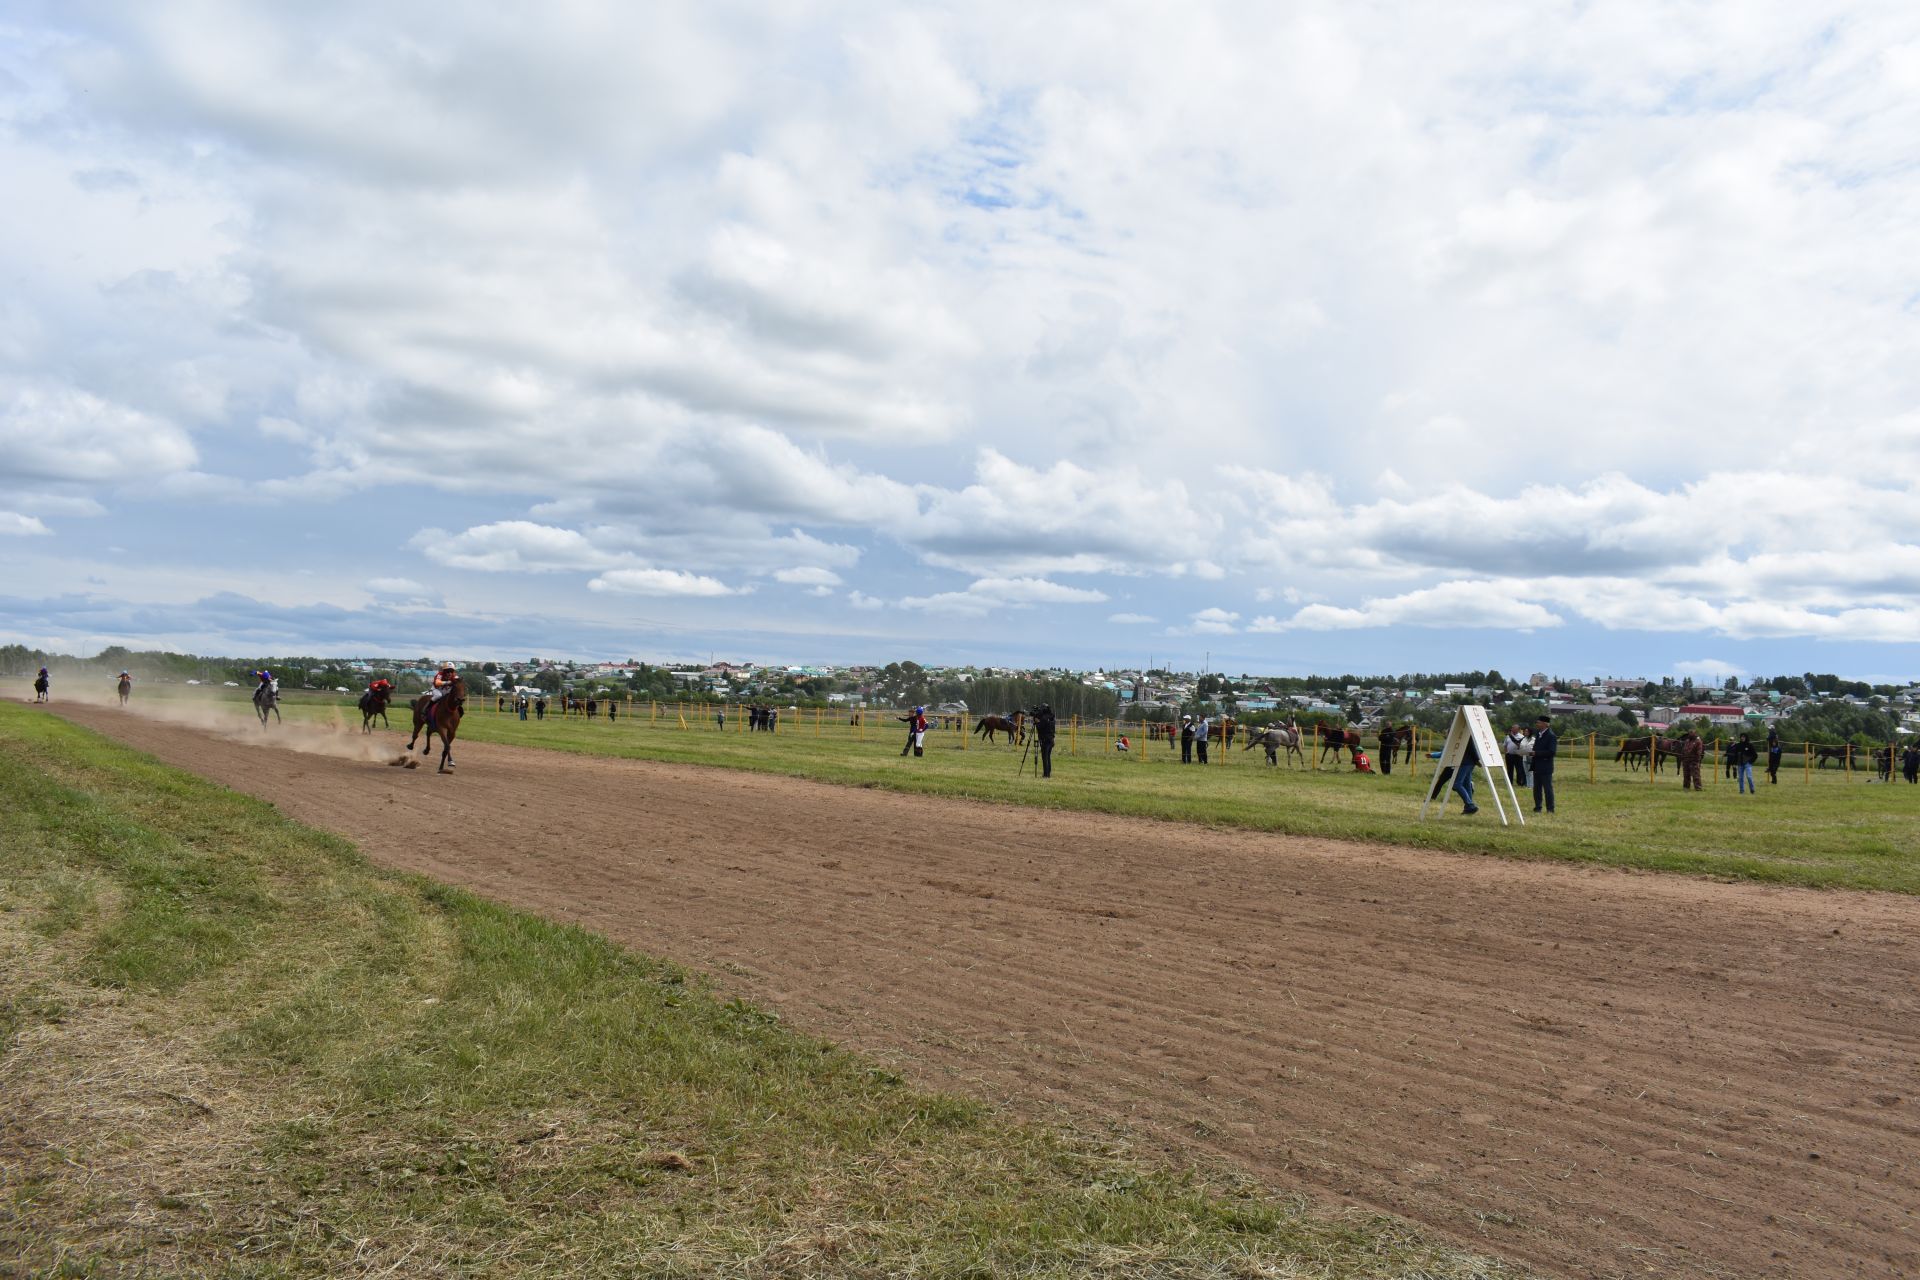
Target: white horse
<point>1276,736</point>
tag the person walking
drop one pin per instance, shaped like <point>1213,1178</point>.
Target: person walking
<point>1200,731</point>
<point>1910,762</point>
<point>1043,730</point>
<point>1546,746</point>
<point>916,732</point>
<point>1744,757</point>
<point>1463,778</point>
<point>1389,740</point>
<point>1186,739</point>
<point>1773,756</point>
<point>1691,751</point>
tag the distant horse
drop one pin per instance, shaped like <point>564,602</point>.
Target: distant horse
<point>991,725</point>
<point>266,699</point>
<point>1844,753</point>
<point>40,687</point>
<point>126,689</point>
<point>1338,740</point>
<point>442,717</point>
<point>1633,753</point>
<point>374,703</point>
<point>1274,737</point>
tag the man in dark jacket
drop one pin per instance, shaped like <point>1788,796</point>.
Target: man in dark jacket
<point>1388,742</point>
<point>1773,756</point>
<point>1691,751</point>
<point>1043,729</point>
<point>1546,743</point>
<point>1186,739</point>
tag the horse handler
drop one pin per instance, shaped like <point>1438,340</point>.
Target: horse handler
<point>1389,742</point>
<point>916,721</point>
<point>1691,750</point>
<point>1546,745</point>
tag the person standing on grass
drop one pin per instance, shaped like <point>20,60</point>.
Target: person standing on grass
<point>1744,757</point>
<point>1200,732</point>
<point>1773,756</point>
<point>1510,748</point>
<point>1409,736</point>
<point>1043,731</point>
<point>1910,762</point>
<point>1388,742</point>
<point>1463,778</point>
<point>540,709</point>
<point>1546,746</point>
<point>1526,756</point>
<point>1186,739</point>
<point>1691,751</point>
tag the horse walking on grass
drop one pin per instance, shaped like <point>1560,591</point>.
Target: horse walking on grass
<point>1009,725</point>
<point>443,718</point>
<point>1273,738</point>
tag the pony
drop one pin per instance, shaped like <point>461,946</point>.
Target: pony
<point>266,698</point>
<point>374,703</point>
<point>991,725</point>
<point>443,718</point>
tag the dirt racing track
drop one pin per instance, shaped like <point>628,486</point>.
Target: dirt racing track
<point>1593,1072</point>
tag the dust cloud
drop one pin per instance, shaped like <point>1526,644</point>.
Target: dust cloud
<point>336,734</point>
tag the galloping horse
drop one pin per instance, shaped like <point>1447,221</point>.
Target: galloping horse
<point>40,687</point>
<point>374,703</point>
<point>267,698</point>
<point>126,689</point>
<point>442,717</point>
<point>1338,740</point>
<point>990,725</point>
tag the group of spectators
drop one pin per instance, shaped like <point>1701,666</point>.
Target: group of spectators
<point>523,704</point>
<point>1530,756</point>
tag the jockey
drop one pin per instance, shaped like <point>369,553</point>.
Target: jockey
<point>267,683</point>
<point>382,685</point>
<point>443,681</point>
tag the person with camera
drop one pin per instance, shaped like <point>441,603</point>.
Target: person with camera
<point>1043,730</point>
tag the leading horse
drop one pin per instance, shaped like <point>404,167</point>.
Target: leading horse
<point>266,699</point>
<point>442,717</point>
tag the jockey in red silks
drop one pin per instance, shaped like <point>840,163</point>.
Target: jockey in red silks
<point>1123,744</point>
<point>1361,764</point>
<point>443,681</point>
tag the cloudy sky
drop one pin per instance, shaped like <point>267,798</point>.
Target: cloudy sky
<point>1343,336</point>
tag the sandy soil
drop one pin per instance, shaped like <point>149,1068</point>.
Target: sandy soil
<point>1593,1072</point>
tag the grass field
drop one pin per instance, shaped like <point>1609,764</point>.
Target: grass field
<point>231,1047</point>
<point>1817,828</point>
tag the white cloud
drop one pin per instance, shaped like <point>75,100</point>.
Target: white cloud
<point>984,595</point>
<point>659,582</point>
<point>861,600</point>
<point>1212,621</point>
<point>807,576</point>
<point>12,523</point>
<point>1129,619</point>
<point>1449,605</point>
<point>517,545</point>
<point>53,433</point>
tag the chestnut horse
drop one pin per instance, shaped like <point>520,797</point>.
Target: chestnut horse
<point>1009,725</point>
<point>443,718</point>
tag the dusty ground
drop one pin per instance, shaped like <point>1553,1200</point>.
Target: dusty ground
<point>1597,1073</point>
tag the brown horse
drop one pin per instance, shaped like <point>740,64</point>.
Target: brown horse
<point>126,689</point>
<point>1845,754</point>
<point>991,725</point>
<point>443,718</point>
<point>1338,740</point>
<point>374,703</point>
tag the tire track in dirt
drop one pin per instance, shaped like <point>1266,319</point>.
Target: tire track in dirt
<point>1598,1073</point>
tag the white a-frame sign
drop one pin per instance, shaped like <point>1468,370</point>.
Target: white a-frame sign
<point>1470,724</point>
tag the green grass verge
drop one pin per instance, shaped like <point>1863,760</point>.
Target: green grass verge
<point>231,1047</point>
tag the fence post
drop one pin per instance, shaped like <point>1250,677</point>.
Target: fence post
<point>1073,737</point>
<point>1716,762</point>
<point>1592,777</point>
<point>1806,760</point>
<point>1316,746</point>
